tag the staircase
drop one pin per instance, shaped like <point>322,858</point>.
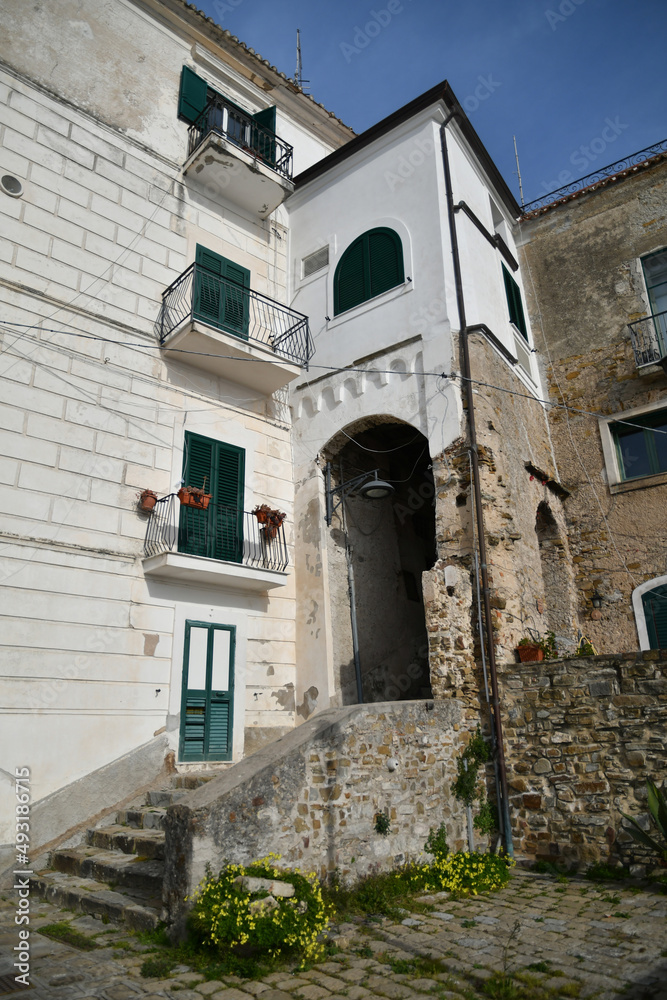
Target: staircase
<point>117,873</point>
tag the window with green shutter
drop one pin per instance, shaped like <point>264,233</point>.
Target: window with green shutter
<point>207,700</point>
<point>219,469</point>
<point>655,612</point>
<point>221,292</point>
<point>514,303</point>
<point>372,264</point>
<point>193,95</point>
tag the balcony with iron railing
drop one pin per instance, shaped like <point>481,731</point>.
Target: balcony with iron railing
<point>218,544</point>
<point>236,157</point>
<point>649,340</point>
<point>215,324</point>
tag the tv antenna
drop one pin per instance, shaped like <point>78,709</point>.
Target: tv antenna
<point>518,171</point>
<point>298,76</point>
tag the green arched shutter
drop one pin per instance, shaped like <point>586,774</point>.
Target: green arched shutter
<point>386,260</point>
<point>655,611</point>
<point>372,264</point>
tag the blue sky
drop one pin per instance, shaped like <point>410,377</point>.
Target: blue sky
<point>581,83</point>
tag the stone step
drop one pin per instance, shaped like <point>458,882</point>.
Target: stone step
<point>127,870</point>
<point>144,843</point>
<point>92,897</point>
<point>163,797</point>
<point>142,818</point>
<point>193,779</point>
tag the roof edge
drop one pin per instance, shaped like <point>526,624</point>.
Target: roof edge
<point>441,92</point>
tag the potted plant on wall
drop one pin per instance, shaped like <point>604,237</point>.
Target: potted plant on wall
<point>147,500</point>
<point>195,496</point>
<point>533,649</point>
<point>270,518</point>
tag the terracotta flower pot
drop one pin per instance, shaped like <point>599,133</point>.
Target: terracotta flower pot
<point>530,654</point>
<point>147,501</point>
<point>190,499</point>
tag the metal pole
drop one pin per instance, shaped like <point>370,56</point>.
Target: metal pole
<point>471,835</point>
<point>353,598</point>
<point>481,540</point>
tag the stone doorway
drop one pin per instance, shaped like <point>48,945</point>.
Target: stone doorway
<point>389,543</point>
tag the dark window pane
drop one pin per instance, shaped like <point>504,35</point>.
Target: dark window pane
<point>661,445</point>
<point>634,454</point>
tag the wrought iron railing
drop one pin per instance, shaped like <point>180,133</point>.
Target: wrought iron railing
<point>218,532</point>
<point>599,175</point>
<point>649,339</point>
<point>223,118</point>
<point>198,294</point>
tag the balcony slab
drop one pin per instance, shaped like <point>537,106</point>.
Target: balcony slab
<point>230,172</point>
<point>182,568</point>
<point>219,353</point>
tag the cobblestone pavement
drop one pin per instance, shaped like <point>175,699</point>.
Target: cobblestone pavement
<point>556,940</point>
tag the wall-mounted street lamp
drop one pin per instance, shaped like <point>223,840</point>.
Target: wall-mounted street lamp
<point>367,485</point>
<point>596,600</point>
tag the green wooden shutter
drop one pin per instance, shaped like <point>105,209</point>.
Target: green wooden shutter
<point>236,300</point>
<point>219,468</point>
<point>193,525</point>
<point>655,611</point>
<point>221,294</point>
<point>350,284</point>
<point>230,476</point>
<point>514,303</point>
<point>386,260</point>
<point>192,98</point>
<point>264,144</point>
<point>372,264</point>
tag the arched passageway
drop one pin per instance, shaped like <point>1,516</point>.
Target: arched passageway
<point>389,544</point>
<point>556,580</point>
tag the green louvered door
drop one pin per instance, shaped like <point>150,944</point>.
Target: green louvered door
<point>221,293</point>
<point>208,689</point>
<point>219,469</point>
<point>655,610</point>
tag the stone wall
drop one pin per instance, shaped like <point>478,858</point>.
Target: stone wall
<point>581,736</point>
<point>584,258</point>
<point>518,500</point>
<point>313,796</point>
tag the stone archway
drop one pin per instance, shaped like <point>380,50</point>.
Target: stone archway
<point>389,543</point>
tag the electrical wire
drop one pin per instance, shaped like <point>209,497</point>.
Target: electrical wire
<point>373,371</point>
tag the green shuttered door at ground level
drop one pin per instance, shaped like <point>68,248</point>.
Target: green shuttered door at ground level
<point>208,689</point>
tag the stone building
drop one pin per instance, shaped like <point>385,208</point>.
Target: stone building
<point>147,343</point>
<point>597,297</point>
<point>208,281</point>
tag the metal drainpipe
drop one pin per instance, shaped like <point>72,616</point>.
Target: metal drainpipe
<point>481,539</point>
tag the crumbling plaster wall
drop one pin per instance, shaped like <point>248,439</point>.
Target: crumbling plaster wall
<point>586,286</point>
<point>512,432</point>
